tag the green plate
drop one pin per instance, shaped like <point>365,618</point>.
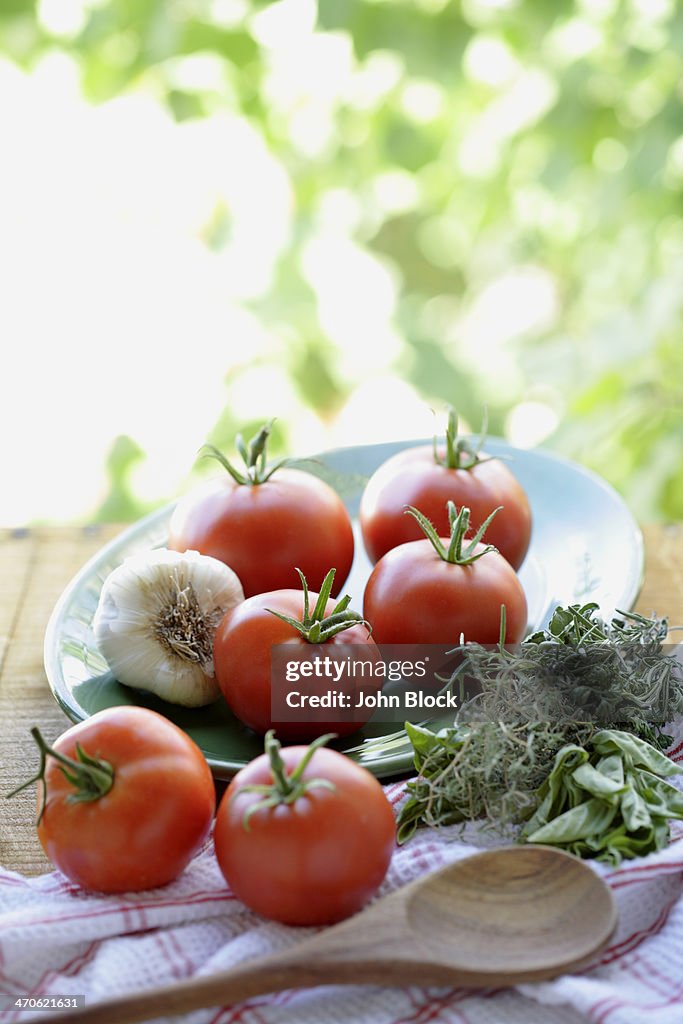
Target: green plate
<point>585,545</point>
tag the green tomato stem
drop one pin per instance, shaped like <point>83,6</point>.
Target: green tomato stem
<point>91,777</point>
<point>315,626</point>
<point>460,453</point>
<point>456,553</point>
<point>253,455</point>
<point>285,788</point>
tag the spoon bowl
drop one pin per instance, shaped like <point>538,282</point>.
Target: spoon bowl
<point>502,917</point>
<point>517,913</point>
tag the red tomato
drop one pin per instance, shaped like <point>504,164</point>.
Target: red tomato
<point>413,596</point>
<point>413,477</point>
<point>242,658</point>
<point>316,859</point>
<point>263,529</point>
<point>145,829</point>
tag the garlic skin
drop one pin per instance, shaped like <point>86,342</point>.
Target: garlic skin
<point>157,618</point>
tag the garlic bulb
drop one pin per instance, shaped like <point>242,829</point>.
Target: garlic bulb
<point>156,620</point>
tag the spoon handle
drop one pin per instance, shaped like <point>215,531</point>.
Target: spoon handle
<point>219,989</point>
<point>181,997</point>
<point>371,948</point>
<point>291,969</point>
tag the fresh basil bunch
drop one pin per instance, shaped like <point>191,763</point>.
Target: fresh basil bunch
<point>609,802</point>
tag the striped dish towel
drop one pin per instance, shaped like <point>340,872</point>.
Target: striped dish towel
<point>57,940</point>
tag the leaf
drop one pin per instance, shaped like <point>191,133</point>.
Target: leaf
<point>636,752</point>
<point>423,741</point>
<point>613,767</point>
<point>634,811</point>
<point>13,7</point>
<point>553,793</point>
<point>660,796</point>
<point>621,843</point>
<point>566,761</point>
<point>408,820</point>
<point>587,819</point>
<point>593,781</point>
<point>627,812</point>
<point>235,45</point>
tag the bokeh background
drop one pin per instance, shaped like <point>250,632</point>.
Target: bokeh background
<point>344,214</point>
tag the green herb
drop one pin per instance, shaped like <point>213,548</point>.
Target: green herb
<point>578,625</point>
<point>580,672</point>
<point>559,688</point>
<point>609,802</point>
<point>487,773</point>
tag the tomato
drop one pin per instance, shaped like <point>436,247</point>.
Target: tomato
<point>142,831</point>
<point>416,595</point>
<point>415,477</point>
<point>243,651</point>
<point>264,523</point>
<point>308,853</point>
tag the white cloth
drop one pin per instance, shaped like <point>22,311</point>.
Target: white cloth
<point>57,940</point>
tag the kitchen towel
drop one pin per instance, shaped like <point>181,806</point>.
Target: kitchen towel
<point>57,940</point>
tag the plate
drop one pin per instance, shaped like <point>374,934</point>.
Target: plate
<point>585,546</point>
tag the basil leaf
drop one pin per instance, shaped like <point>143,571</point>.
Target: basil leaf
<point>660,796</point>
<point>587,819</point>
<point>423,742</point>
<point>613,767</point>
<point>635,811</point>
<point>636,752</point>
<point>594,782</point>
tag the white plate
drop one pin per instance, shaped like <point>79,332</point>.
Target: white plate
<point>585,546</point>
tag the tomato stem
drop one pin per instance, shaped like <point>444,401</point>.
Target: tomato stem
<point>459,523</point>
<point>460,453</point>
<point>503,627</point>
<point>91,777</point>
<point>285,788</point>
<point>254,456</point>
<point>315,626</point>
<point>277,766</point>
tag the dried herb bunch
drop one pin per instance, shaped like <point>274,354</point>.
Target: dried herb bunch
<point>561,686</point>
<point>580,672</point>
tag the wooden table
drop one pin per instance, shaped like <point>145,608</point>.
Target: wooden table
<point>36,565</point>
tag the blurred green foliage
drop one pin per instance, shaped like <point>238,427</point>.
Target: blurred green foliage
<point>517,166</point>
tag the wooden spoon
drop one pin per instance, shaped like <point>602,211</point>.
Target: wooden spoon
<point>509,915</point>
